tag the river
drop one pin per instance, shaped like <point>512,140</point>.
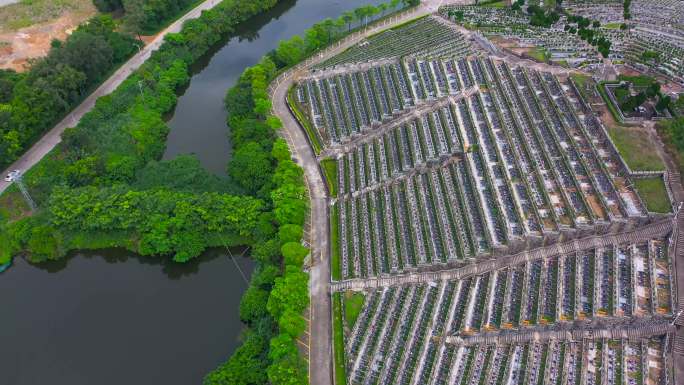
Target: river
<point>198,125</point>
<point>113,318</point>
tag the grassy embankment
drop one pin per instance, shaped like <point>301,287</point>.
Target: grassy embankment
<point>652,191</point>
<point>353,302</point>
<point>636,148</point>
<point>329,167</point>
<point>311,132</point>
<point>338,338</point>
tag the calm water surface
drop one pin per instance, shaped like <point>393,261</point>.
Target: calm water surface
<point>105,318</point>
<point>199,123</point>
<point>112,318</point>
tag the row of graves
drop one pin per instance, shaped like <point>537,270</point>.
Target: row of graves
<point>455,161</point>
<point>654,39</point>
<point>515,25</point>
<point>594,316</point>
<point>443,162</point>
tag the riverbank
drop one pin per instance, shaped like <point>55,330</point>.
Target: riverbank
<point>49,140</point>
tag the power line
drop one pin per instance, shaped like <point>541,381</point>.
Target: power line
<point>18,179</point>
<point>242,273</point>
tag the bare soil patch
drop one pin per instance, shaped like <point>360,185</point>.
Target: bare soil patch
<point>27,30</point>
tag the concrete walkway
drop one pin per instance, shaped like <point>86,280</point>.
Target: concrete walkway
<point>630,332</point>
<point>43,146</point>
<point>651,231</point>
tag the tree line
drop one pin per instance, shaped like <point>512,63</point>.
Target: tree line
<point>278,292</point>
<point>321,34</point>
<point>145,16</point>
<point>32,102</point>
<point>115,148</point>
<point>591,36</point>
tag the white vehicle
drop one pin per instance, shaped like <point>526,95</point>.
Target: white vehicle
<point>12,175</point>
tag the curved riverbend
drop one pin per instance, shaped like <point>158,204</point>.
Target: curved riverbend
<point>199,123</point>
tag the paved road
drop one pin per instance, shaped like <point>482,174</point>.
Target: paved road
<point>320,354</point>
<point>53,137</point>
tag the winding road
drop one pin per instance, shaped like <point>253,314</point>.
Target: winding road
<point>320,346</point>
<point>50,140</point>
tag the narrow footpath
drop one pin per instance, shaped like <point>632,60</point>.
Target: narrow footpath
<point>43,146</point>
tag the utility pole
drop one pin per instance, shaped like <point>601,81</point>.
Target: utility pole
<point>140,87</point>
<point>24,191</point>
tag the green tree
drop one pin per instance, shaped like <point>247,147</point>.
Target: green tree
<point>108,5</point>
<point>291,51</point>
<point>280,150</point>
<point>663,103</point>
<point>250,167</point>
<point>44,243</point>
<point>292,323</point>
<point>348,18</point>
<point>253,304</point>
<point>290,292</point>
<point>294,253</point>
<point>290,233</point>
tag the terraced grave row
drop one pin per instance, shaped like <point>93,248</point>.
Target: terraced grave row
<point>399,336</point>
<point>427,36</point>
<point>343,106</point>
<point>589,362</point>
<point>522,157</point>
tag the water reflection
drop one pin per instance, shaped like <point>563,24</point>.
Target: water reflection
<point>112,318</point>
<point>171,269</point>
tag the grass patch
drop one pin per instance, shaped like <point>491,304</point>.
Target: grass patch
<point>582,82</point>
<point>311,132</point>
<point>640,81</point>
<point>654,194</point>
<point>353,302</point>
<point>336,263</point>
<point>29,12</point>
<point>636,149</point>
<point>330,169</point>
<point>601,87</point>
<point>539,54</point>
<point>612,25</point>
<point>338,341</point>
<point>495,4</point>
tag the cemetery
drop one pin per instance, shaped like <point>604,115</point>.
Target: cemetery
<point>400,334</point>
<point>452,160</point>
<point>487,228</point>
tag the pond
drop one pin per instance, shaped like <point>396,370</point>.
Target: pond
<point>108,318</point>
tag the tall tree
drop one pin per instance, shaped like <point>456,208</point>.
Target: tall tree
<point>348,18</point>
